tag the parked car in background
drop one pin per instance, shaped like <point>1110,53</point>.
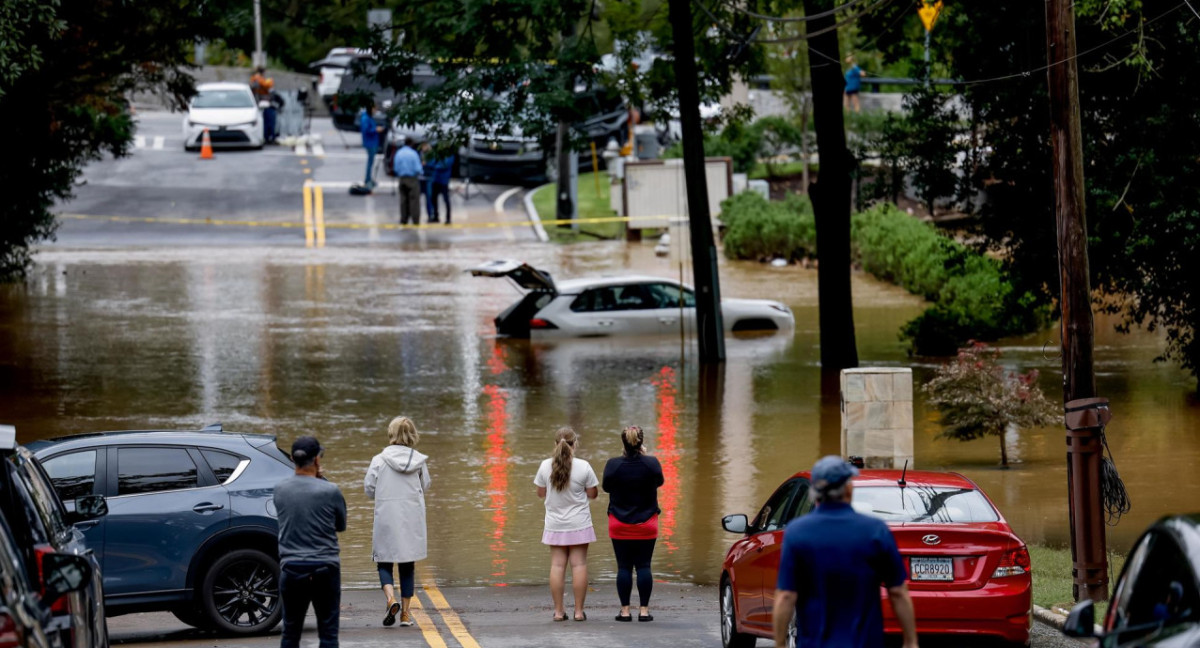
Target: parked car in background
<point>969,573</point>
<point>191,524</point>
<point>45,531</point>
<point>358,85</point>
<point>616,306</point>
<point>228,112</point>
<point>331,68</point>
<point>26,619</point>
<point>1156,601</point>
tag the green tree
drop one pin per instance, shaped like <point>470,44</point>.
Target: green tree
<point>65,72</point>
<point>929,148</point>
<point>1138,67</point>
<point>977,398</point>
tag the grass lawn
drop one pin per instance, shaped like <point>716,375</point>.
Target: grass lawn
<point>591,205</point>
<point>1052,577</point>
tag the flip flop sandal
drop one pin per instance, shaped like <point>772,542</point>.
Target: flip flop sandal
<point>584,618</point>
<point>559,618</point>
<point>645,617</point>
<point>625,618</point>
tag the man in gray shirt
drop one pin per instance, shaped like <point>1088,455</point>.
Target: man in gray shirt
<point>311,513</point>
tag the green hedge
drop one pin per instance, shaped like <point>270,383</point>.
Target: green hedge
<point>972,298</point>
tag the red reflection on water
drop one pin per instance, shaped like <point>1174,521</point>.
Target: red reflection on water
<point>497,453</point>
<point>667,451</point>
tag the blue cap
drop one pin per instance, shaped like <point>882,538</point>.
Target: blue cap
<point>831,471</point>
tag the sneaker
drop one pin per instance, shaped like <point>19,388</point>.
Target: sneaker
<point>390,617</point>
<point>405,619</point>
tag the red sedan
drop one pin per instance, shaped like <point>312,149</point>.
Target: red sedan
<point>969,573</point>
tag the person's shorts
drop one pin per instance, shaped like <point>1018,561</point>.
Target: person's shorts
<point>850,92</point>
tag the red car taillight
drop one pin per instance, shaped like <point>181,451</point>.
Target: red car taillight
<point>538,323</point>
<point>59,606</point>
<point>1013,563</point>
<point>9,638</point>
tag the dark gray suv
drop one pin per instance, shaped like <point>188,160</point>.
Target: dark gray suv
<point>191,525</point>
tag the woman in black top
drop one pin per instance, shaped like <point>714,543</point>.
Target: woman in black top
<point>632,481</point>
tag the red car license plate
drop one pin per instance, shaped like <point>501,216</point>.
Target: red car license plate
<point>931,569</point>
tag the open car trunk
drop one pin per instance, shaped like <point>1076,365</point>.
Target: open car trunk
<point>514,320</point>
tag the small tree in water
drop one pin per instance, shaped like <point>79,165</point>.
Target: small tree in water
<point>977,397</point>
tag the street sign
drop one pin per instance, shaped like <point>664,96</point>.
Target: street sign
<point>929,13</point>
<point>380,19</point>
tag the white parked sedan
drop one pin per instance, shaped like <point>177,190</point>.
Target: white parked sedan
<point>230,114</point>
<point>625,305</point>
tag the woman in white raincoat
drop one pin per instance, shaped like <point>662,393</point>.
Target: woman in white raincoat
<point>397,480</point>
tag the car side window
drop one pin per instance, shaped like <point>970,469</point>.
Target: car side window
<point>801,504</point>
<point>612,298</point>
<point>44,497</point>
<point>670,296</point>
<point>772,516</point>
<point>1161,589</point>
<point>223,464</point>
<point>151,470</point>
<point>72,475</point>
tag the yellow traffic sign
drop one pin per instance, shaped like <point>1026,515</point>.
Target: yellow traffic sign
<point>929,13</point>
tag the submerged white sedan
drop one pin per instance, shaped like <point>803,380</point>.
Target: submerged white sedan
<point>229,113</point>
<point>616,306</point>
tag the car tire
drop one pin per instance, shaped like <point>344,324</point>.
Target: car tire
<point>730,637</point>
<point>240,593</point>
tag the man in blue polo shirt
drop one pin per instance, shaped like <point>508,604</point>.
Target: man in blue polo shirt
<point>831,566</point>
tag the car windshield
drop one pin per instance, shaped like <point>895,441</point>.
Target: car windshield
<point>924,504</point>
<point>223,99</point>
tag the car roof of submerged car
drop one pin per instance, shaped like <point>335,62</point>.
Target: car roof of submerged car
<point>196,437</point>
<point>573,286</point>
<point>222,85</point>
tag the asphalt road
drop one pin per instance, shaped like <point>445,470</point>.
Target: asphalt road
<point>163,195</point>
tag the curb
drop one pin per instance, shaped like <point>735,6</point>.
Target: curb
<point>532,215</point>
<point>1052,619</point>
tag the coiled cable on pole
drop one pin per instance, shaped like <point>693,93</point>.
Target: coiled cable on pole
<point>1112,488</point>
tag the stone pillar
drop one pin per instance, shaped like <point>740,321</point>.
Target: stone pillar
<point>877,416</point>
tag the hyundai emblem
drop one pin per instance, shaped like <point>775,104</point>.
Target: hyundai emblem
<point>931,539</point>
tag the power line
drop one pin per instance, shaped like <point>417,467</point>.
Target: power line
<point>784,19</point>
<point>841,23</point>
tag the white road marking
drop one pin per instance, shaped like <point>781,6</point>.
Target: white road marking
<point>139,141</point>
<point>498,206</point>
<point>159,141</point>
<point>318,150</point>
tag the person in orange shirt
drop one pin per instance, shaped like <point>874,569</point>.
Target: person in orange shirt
<point>262,85</point>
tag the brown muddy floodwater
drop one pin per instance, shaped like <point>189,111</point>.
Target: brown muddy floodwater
<point>335,342</point>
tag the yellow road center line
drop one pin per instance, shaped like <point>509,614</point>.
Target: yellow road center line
<point>449,616</point>
<point>428,630</point>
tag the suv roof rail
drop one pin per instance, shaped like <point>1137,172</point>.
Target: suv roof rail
<point>213,427</point>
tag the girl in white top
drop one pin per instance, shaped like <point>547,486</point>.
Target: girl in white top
<point>567,483</point>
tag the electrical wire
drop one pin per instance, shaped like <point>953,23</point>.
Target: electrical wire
<point>796,19</point>
<point>879,4</point>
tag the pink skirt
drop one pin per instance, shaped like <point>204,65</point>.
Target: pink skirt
<point>569,538</point>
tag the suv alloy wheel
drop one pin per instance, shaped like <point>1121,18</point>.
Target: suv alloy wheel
<point>240,593</point>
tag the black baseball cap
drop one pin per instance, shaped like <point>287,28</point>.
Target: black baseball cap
<point>305,449</point>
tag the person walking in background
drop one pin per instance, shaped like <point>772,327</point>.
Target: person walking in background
<point>831,566</point>
<point>566,484</point>
<point>407,165</point>
<point>311,513</point>
<point>262,86</point>
<point>439,185</point>
<point>854,77</point>
<point>397,480</point>
<point>371,131</point>
<point>632,481</point>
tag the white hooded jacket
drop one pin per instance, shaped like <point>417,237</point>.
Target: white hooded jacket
<point>397,480</point>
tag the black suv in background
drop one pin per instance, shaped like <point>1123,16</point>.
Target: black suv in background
<point>191,525</point>
<point>46,541</point>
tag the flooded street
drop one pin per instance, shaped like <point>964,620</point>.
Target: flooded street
<point>336,342</point>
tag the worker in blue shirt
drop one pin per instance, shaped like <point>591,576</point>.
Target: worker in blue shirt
<point>370,130</point>
<point>407,165</point>
<point>439,185</point>
<point>831,566</point>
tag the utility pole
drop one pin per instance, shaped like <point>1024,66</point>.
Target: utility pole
<point>567,182</point>
<point>1088,556</point>
<point>709,327</point>
<point>830,196</point>
<point>260,57</point>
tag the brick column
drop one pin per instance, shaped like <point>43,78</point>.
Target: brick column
<point>877,418</point>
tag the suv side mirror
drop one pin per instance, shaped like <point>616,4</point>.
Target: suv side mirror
<point>737,523</point>
<point>63,573</point>
<point>1082,620</point>
<point>88,507</point>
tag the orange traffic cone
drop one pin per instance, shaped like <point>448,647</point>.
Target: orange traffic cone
<point>206,147</point>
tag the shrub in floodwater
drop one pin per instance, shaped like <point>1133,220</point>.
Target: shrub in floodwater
<point>976,397</point>
<point>758,229</point>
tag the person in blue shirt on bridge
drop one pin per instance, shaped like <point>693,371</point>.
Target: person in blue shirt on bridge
<point>854,77</point>
<point>831,566</point>
<point>407,165</point>
<point>370,130</point>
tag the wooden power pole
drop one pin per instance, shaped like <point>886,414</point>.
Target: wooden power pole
<point>709,327</point>
<point>1084,441</point>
